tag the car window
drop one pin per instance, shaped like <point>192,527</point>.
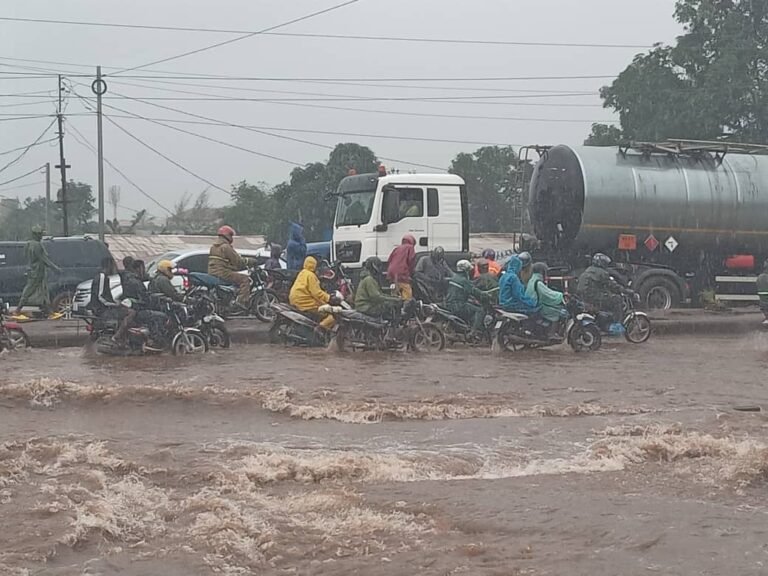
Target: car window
<point>12,256</point>
<point>76,254</point>
<point>152,266</point>
<point>194,263</point>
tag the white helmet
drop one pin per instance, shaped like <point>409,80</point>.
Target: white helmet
<point>463,266</point>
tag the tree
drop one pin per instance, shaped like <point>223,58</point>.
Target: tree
<point>494,189</point>
<point>198,218</point>
<point>19,218</point>
<point>303,198</point>
<point>604,135</point>
<point>713,83</point>
<point>252,211</point>
<point>80,207</point>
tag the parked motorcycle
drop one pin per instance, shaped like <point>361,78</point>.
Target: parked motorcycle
<point>202,315</point>
<point>514,331</point>
<point>12,335</point>
<point>405,329</point>
<point>225,295</point>
<point>173,336</point>
<point>637,325</point>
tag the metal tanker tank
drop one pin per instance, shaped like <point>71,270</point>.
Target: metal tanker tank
<point>583,198</point>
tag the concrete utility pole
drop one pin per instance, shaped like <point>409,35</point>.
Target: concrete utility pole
<point>99,87</point>
<point>47,197</point>
<point>62,165</point>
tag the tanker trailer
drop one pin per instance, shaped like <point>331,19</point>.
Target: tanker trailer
<point>674,216</point>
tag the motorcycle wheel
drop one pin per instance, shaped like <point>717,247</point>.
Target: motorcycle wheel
<point>504,343</point>
<point>585,338</point>
<point>275,332</point>
<point>219,337</point>
<point>262,307</point>
<point>637,329</point>
<point>348,339</point>
<point>17,339</point>
<point>428,338</point>
<point>197,342</point>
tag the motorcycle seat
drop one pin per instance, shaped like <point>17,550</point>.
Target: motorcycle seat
<point>360,318</point>
<point>207,280</point>
<point>513,315</point>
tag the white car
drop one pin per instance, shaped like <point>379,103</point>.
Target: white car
<point>192,260</point>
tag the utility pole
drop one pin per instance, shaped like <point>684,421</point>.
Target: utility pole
<point>99,87</point>
<point>47,196</point>
<point>62,165</point>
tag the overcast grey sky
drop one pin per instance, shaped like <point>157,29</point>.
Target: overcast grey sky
<point>567,117</point>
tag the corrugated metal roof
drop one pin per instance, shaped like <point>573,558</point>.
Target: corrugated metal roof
<point>145,247</point>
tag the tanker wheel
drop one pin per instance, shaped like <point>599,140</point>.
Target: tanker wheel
<point>659,293</point>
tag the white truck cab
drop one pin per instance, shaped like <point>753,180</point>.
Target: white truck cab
<point>375,211</point>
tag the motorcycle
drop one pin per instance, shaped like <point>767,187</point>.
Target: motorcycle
<point>12,335</point>
<point>297,328</point>
<point>456,329</point>
<point>202,315</point>
<point>225,295</point>
<point>637,325</point>
<point>333,278</point>
<point>514,331</point>
<point>406,329</point>
<point>173,336</point>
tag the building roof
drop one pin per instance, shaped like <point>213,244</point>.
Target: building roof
<point>144,247</point>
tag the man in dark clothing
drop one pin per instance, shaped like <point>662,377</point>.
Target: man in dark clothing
<point>597,289</point>
<point>273,263</point>
<point>36,289</point>
<point>102,301</point>
<point>369,298</point>
<point>486,280</point>
<point>434,270</point>
<point>161,283</point>
<point>460,290</point>
<point>296,249</point>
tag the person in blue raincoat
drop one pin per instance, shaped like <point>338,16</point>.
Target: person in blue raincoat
<point>296,249</point>
<point>512,296</point>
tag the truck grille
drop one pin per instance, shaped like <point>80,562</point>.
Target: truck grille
<point>348,251</point>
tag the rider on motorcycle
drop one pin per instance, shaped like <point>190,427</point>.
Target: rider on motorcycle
<point>161,282</point>
<point>460,290</point>
<point>434,270</point>
<point>551,301</point>
<point>512,296</point>
<point>102,300</point>
<point>598,290</point>
<point>225,263</point>
<point>307,296</point>
<point>486,281</point>
<point>493,267</point>
<point>136,293</point>
<point>369,298</point>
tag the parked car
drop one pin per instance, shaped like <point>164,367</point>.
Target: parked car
<point>192,260</point>
<point>79,258</point>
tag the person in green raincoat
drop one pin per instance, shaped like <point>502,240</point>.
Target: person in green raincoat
<point>36,290</point>
<point>369,297</point>
<point>551,301</point>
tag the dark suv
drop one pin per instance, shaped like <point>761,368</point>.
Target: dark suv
<point>79,258</point>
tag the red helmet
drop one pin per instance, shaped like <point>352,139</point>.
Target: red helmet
<point>227,232</point>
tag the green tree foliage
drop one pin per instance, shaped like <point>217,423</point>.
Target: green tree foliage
<point>302,198</point>
<point>494,190</point>
<point>80,208</point>
<point>604,135</point>
<point>252,210</point>
<point>712,83</point>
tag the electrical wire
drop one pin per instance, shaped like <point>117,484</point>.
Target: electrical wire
<point>27,148</point>
<point>85,143</point>
<point>239,38</point>
<point>22,176</point>
<point>23,186</point>
<point>35,117</point>
<point>329,36</point>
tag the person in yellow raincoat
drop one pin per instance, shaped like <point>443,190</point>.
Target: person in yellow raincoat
<point>307,296</point>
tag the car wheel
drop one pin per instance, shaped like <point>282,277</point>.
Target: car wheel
<point>62,302</point>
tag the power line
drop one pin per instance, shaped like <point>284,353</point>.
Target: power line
<point>156,151</point>
<point>23,186</point>
<point>35,117</point>
<point>243,37</point>
<point>329,36</point>
<point>27,148</point>
<point>85,143</point>
<point>22,176</point>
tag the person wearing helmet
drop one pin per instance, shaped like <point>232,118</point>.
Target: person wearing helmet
<point>762,291</point>
<point>225,263</point>
<point>36,289</point>
<point>526,261</point>
<point>161,282</point>
<point>434,271</point>
<point>486,281</point>
<point>296,249</point>
<point>551,301</point>
<point>489,255</point>
<point>400,266</point>
<point>460,291</point>
<point>273,263</point>
<point>306,295</point>
<point>598,289</point>
<point>369,298</point>
<point>512,296</point>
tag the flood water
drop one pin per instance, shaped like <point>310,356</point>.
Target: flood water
<point>648,459</point>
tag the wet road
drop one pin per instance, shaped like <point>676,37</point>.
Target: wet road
<point>633,460</point>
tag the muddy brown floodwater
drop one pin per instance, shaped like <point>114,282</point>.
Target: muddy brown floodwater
<point>649,459</point>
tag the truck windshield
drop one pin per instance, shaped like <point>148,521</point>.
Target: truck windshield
<point>354,208</point>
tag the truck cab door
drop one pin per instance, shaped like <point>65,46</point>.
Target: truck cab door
<point>444,215</point>
<point>403,211</point>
